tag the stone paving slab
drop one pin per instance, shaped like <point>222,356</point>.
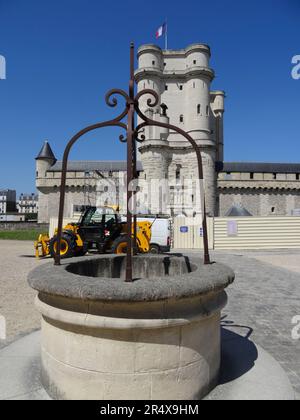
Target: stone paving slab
<point>247,373</point>
<point>264,299</point>
<point>20,369</point>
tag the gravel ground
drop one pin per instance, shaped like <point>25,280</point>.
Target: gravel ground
<point>16,297</point>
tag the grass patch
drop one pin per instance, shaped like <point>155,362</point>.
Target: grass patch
<point>21,235</point>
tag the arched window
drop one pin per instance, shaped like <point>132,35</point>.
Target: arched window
<point>207,110</point>
<point>198,109</point>
<point>181,119</point>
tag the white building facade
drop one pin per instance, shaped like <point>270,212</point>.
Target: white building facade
<point>28,203</point>
<point>7,201</point>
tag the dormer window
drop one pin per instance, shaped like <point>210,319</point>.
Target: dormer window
<point>228,176</point>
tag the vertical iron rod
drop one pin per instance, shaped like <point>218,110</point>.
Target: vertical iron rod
<point>130,172</point>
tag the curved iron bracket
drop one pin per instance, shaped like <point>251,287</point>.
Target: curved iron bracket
<point>132,136</point>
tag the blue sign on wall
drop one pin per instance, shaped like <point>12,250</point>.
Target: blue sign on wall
<point>184,229</point>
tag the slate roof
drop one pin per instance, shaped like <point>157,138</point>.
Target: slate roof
<point>237,211</point>
<point>258,167</point>
<point>46,152</point>
<point>95,165</point>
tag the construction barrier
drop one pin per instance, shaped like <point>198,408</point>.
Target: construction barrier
<point>229,233</point>
<point>238,233</point>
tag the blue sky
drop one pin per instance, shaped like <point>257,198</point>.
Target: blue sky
<point>63,55</point>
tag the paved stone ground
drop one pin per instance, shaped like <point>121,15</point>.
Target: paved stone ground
<point>263,299</point>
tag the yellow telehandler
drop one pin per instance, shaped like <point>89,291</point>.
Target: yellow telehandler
<point>98,227</point>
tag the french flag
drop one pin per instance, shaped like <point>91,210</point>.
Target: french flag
<point>161,31</point>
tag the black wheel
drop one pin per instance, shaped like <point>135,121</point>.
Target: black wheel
<point>154,249</point>
<point>67,246</point>
<point>80,252</point>
<point>119,246</point>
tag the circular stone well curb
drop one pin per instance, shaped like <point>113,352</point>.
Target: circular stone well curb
<point>155,338</point>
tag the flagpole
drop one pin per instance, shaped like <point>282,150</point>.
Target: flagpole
<point>166,35</point>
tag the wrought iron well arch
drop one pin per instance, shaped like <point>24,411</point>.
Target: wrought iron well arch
<point>131,108</point>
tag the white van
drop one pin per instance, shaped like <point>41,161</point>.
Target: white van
<point>160,233</point>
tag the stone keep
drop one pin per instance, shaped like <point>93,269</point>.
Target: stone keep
<point>182,80</point>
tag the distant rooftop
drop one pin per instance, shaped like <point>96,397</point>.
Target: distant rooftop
<point>95,165</point>
<point>238,211</point>
<point>258,167</point>
<point>5,191</point>
<point>28,196</point>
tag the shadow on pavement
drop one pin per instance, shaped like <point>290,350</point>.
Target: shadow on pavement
<point>238,352</point>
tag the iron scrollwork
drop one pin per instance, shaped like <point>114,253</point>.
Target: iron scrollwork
<point>133,135</point>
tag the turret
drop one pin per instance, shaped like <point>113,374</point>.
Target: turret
<point>149,73</point>
<point>218,109</point>
<point>197,93</point>
<point>44,160</point>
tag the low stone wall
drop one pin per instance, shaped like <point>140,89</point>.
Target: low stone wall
<point>24,226</point>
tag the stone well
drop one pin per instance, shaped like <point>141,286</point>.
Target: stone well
<point>155,338</point>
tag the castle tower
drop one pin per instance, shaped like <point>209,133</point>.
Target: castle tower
<point>217,107</point>
<point>44,161</point>
<point>182,80</point>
